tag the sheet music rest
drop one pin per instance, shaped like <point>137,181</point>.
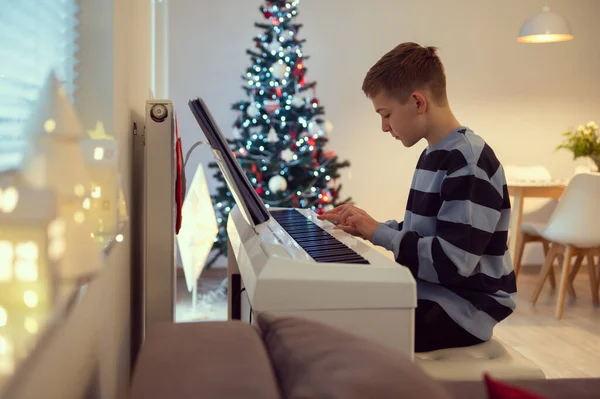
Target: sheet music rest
<point>376,301</point>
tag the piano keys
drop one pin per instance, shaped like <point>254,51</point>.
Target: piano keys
<point>319,244</point>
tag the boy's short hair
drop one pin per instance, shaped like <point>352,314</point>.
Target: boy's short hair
<point>406,68</point>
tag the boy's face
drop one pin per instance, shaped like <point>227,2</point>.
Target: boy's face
<point>405,122</point>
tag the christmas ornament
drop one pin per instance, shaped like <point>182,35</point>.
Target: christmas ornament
<point>314,128</point>
<point>253,110</point>
<point>271,106</point>
<point>287,155</point>
<point>272,137</point>
<point>297,101</point>
<point>260,191</point>
<point>279,69</point>
<point>277,184</point>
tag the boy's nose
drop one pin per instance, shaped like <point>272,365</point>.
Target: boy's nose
<point>385,127</point>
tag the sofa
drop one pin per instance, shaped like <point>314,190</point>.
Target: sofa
<point>287,357</point>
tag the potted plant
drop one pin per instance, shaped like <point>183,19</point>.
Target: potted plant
<point>583,142</point>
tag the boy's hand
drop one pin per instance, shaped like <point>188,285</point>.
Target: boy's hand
<point>352,220</point>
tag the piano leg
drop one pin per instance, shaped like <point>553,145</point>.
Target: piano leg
<point>234,286</point>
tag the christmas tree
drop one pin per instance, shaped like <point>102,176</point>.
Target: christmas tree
<point>280,134</point>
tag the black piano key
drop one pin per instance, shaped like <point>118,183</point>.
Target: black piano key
<point>355,261</point>
<point>344,255</point>
<point>347,256</point>
<point>328,249</point>
<point>300,230</point>
<point>311,237</point>
<point>307,240</point>
<point>338,255</point>
<point>320,244</point>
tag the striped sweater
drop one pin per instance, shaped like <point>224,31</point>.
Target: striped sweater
<point>453,237</point>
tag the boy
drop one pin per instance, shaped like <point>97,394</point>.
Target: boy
<point>454,233</point>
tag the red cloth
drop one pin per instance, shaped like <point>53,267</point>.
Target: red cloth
<point>500,390</point>
<point>178,181</point>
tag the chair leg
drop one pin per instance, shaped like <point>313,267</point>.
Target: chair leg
<point>564,282</point>
<point>593,279</point>
<point>573,274</point>
<point>551,277</point>
<point>552,253</point>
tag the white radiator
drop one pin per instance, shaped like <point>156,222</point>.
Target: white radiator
<point>154,176</point>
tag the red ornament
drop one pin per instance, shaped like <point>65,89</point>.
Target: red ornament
<point>260,190</point>
<point>272,106</point>
<point>315,101</point>
<point>275,21</point>
<point>302,81</point>
<point>259,177</point>
<point>299,70</point>
<point>320,211</point>
<point>312,142</point>
<point>253,168</point>
<point>267,14</point>
<point>278,91</point>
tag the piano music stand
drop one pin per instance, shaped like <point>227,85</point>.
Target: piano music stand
<point>246,198</point>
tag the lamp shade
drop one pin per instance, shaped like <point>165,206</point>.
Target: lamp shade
<point>545,27</point>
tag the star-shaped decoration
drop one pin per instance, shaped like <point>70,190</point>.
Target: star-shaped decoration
<point>287,155</point>
<point>99,133</point>
<point>275,45</point>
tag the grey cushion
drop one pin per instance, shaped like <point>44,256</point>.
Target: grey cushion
<point>312,360</point>
<point>203,360</point>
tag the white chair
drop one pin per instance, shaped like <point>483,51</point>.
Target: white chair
<point>573,230</point>
<point>536,211</point>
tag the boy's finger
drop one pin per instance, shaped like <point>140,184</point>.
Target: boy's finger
<point>331,217</point>
<point>348,229</point>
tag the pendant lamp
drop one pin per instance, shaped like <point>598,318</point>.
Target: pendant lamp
<point>545,27</point>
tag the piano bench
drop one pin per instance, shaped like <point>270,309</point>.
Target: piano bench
<point>468,364</point>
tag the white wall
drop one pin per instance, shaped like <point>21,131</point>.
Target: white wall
<point>520,98</point>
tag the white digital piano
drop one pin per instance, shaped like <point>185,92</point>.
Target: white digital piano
<point>288,262</point>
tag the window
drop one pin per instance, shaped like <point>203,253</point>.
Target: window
<point>36,38</point>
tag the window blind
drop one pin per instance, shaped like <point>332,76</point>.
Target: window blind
<point>36,37</point>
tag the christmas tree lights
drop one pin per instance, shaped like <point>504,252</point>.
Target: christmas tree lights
<point>280,133</point>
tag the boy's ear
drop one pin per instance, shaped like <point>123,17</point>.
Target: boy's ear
<point>420,102</point>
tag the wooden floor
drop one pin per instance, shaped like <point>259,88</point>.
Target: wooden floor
<point>565,348</point>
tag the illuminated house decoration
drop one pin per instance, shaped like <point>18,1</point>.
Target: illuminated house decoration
<point>32,242</point>
<point>198,229</point>
<point>55,161</point>
<point>99,132</point>
<point>106,200</point>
